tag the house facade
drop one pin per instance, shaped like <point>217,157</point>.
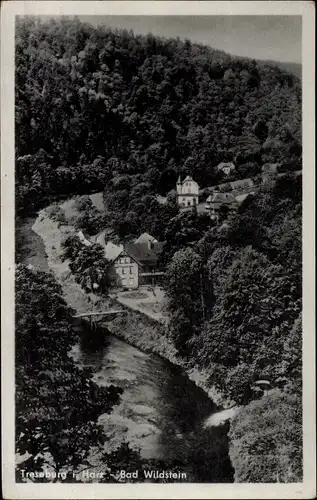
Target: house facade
<point>124,270</point>
<point>187,192</point>
<point>136,263</point>
<point>127,271</point>
<point>145,251</point>
<point>220,201</point>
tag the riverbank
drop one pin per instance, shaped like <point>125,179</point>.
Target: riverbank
<point>134,327</point>
<point>144,333</point>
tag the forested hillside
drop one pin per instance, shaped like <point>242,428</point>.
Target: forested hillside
<point>105,110</point>
<point>59,431</point>
<point>93,104</point>
<point>58,435</point>
<point>234,295</point>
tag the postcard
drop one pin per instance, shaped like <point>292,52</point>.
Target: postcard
<point>158,249</point>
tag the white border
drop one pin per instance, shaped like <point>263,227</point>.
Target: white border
<point>14,490</point>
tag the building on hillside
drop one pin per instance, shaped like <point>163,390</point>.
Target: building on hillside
<point>241,197</point>
<point>226,168</point>
<point>124,269</point>
<point>146,238</point>
<point>269,171</point>
<point>146,254</point>
<point>135,263</point>
<point>187,192</point>
<point>270,168</point>
<point>216,202</point>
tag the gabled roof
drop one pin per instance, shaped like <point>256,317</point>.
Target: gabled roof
<point>225,164</point>
<point>188,178</point>
<point>145,238</point>
<point>112,251</point>
<point>142,253</point>
<point>226,198</point>
<point>241,197</point>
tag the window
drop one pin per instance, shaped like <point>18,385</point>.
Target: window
<point>123,270</point>
<point>131,281</point>
<point>124,281</point>
<point>127,260</point>
<point>131,270</point>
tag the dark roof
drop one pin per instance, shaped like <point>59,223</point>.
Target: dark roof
<point>143,252</point>
<point>270,167</point>
<point>225,164</point>
<point>223,198</point>
<point>112,251</point>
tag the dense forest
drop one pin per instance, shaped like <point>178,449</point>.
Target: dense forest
<point>58,431</point>
<point>106,110</point>
<point>235,301</point>
<point>57,403</point>
<point>235,292</point>
<point>95,104</point>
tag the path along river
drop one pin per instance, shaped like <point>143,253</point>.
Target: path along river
<point>161,411</point>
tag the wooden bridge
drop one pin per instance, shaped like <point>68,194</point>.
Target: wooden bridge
<point>110,312</point>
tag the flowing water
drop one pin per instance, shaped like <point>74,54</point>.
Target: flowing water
<point>161,412</point>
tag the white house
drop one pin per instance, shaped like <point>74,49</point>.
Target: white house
<point>125,269</point>
<point>135,263</point>
<point>187,192</point>
<point>226,168</point>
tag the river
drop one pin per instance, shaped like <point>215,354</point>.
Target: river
<point>161,411</point>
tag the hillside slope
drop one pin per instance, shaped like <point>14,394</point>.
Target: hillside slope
<point>92,103</point>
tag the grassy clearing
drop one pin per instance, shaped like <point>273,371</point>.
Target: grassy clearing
<point>144,333</point>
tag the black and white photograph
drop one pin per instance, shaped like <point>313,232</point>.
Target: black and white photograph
<point>157,201</point>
